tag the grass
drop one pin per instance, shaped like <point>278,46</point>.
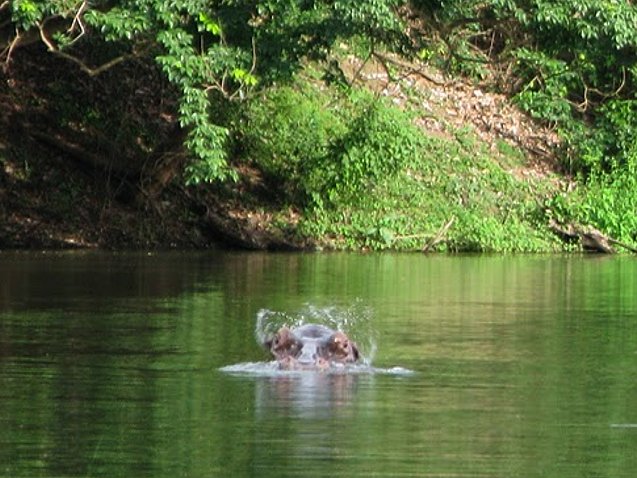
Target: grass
<point>492,209</point>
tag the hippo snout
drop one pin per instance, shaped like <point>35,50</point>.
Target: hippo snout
<point>309,353</point>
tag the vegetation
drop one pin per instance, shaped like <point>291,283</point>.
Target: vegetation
<point>367,177</point>
<point>249,104</point>
<point>572,64</point>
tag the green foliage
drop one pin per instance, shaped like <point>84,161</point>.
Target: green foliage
<point>365,177</point>
<point>571,59</point>
<point>287,133</point>
<point>379,143</point>
<point>433,181</point>
<point>26,13</point>
<point>607,201</point>
<point>371,18</point>
<point>323,153</point>
<point>612,144</point>
<point>610,203</point>
<point>574,64</point>
<point>206,140</point>
<point>545,95</point>
<point>215,52</point>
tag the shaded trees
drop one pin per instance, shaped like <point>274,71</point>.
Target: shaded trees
<point>191,58</point>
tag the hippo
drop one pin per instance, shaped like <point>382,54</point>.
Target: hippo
<point>311,346</point>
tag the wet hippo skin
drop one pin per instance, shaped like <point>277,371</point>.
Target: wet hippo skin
<point>311,346</point>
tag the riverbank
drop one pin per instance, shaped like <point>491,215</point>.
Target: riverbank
<point>477,179</point>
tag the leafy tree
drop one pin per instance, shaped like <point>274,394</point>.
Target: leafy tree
<point>214,52</point>
<point>570,63</point>
<point>575,62</point>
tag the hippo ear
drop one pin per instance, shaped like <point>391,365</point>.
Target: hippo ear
<point>272,338</point>
<point>355,351</point>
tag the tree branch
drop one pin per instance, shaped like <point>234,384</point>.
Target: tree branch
<point>52,48</point>
<point>439,235</point>
<point>8,51</point>
<point>77,20</point>
<point>590,238</point>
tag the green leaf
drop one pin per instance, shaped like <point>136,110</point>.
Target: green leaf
<point>244,77</point>
<point>209,24</point>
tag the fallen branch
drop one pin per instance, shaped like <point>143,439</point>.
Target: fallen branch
<point>591,239</point>
<point>439,235</point>
<point>411,69</point>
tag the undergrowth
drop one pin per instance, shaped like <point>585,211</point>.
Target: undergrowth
<point>364,177</point>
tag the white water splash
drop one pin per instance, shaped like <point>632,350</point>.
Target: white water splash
<point>355,320</point>
<point>271,369</point>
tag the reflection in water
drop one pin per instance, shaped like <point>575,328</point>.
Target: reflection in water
<point>311,407</point>
<point>306,395</point>
<point>134,365</point>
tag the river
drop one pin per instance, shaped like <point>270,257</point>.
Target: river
<point>133,365</point>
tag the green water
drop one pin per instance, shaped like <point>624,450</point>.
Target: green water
<point>523,366</point>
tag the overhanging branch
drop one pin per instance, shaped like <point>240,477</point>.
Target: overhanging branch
<point>53,48</point>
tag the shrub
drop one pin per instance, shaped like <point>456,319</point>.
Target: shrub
<point>380,142</point>
<point>321,153</point>
<point>286,133</point>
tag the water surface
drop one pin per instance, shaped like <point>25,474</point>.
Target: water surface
<point>147,365</point>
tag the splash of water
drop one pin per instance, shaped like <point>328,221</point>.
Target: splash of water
<point>355,320</point>
<point>271,369</point>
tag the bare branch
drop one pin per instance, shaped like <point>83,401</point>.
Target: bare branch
<point>12,45</point>
<point>358,71</point>
<point>429,245</point>
<point>583,105</point>
<point>384,59</point>
<point>224,77</point>
<point>77,21</point>
<point>93,71</point>
<point>215,86</point>
<point>52,48</point>
<point>239,90</point>
<point>254,55</point>
<point>613,93</point>
<point>45,39</point>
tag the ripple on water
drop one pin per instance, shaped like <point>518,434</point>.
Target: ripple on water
<point>271,369</point>
<point>354,320</point>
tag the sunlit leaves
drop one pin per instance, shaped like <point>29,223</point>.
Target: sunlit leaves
<point>119,23</point>
<point>209,24</point>
<point>244,77</point>
<point>27,13</point>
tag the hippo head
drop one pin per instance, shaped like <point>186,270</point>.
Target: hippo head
<point>311,346</point>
